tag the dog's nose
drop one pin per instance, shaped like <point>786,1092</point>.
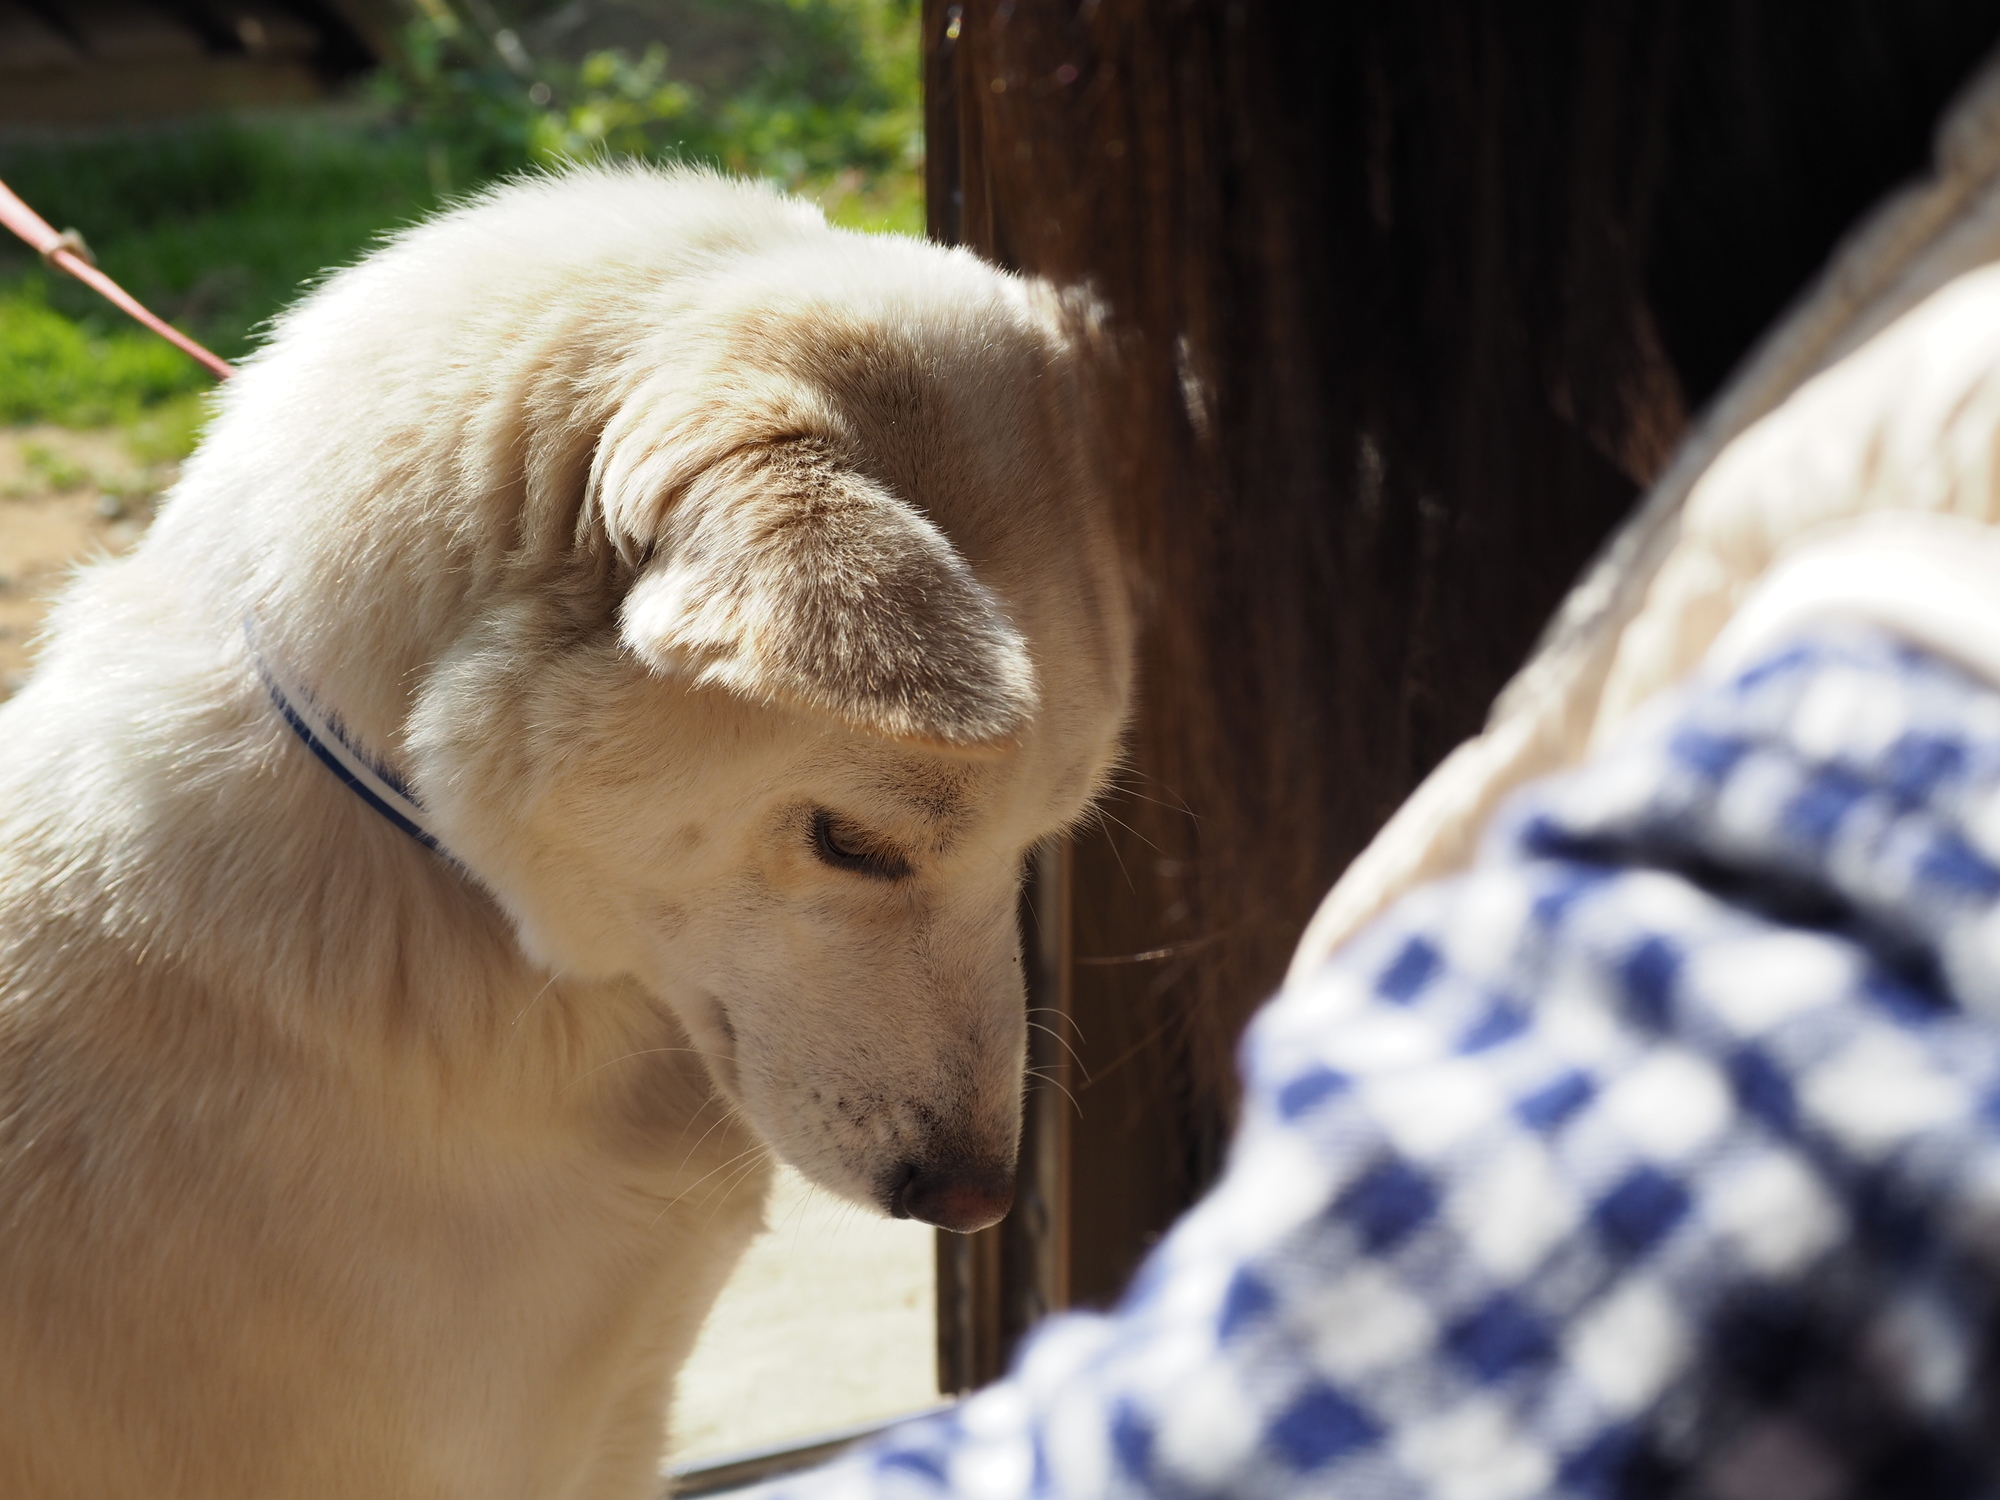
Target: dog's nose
<point>957,1198</point>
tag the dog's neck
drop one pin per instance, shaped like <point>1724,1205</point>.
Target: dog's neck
<point>205,814</point>
<point>321,729</point>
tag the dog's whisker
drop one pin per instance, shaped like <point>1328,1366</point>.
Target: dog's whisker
<point>1123,780</point>
<point>755,1151</point>
<point>535,999</point>
<point>724,1165</point>
<point>1055,1083</point>
<point>1111,817</point>
<point>812,1192</point>
<point>727,1176</point>
<point>1098,815</point>
<point>627,1057</point>
<point>728,1113</point>
<point>1068,1019</point>
<point>720,1193</point>
<point>1063,1041</point>
<point>1176,807</point>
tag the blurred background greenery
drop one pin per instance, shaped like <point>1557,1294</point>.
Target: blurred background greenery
<point>219,222</point>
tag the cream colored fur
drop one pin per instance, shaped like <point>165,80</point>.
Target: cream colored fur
<point>636,520</point>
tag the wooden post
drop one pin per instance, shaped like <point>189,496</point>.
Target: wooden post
<point>994,1285</point>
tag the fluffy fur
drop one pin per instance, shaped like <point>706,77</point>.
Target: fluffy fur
<point>658,535</point>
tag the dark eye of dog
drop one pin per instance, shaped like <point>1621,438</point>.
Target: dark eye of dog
<point>843,847</point>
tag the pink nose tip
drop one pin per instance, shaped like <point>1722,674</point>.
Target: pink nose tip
<point>956,1198</point>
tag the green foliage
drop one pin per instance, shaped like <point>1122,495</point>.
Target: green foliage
<point>167,432</point>
<point>219,224</point>
<point>831,107</point>
<point>52,369</point>
<point>620,108</point>
<point>851,103</point>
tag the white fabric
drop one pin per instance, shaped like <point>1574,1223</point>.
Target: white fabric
<point>1930,579</point>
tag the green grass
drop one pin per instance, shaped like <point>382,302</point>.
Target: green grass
<point>55,369</point>
<point>219,224</point>
<point>215,226</point>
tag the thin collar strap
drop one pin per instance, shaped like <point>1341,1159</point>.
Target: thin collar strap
<point>323,733</point>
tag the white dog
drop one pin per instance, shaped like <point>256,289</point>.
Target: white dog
<point>729,601</point>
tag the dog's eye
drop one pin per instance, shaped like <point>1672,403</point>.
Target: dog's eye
<point>844,847</point>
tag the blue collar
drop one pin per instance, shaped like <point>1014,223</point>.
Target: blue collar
<point>323,733</point>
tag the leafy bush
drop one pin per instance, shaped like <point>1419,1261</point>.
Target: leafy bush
<point>831,105</point>
<point>218,224</point>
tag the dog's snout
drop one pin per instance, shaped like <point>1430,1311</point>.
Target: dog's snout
<point>960,1197</point>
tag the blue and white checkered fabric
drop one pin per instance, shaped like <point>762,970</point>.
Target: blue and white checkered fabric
<point>1659,1155</point>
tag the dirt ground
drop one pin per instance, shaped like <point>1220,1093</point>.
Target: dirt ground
<point>64,496</point>
<point>829,1322</point>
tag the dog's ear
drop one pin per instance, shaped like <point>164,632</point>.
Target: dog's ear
<point>780,573</point>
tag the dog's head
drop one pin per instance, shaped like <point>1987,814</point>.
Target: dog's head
<point>868,644</point>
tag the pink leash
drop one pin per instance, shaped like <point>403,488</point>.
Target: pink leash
<point>66,253</point>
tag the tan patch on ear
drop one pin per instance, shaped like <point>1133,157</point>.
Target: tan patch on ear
<point>782,574</point>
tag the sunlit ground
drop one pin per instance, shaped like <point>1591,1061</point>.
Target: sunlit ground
<point>830,1322</point>
<point>64,496</point>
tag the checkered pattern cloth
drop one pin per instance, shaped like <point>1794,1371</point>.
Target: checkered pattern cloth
<point>1658,1155</point>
